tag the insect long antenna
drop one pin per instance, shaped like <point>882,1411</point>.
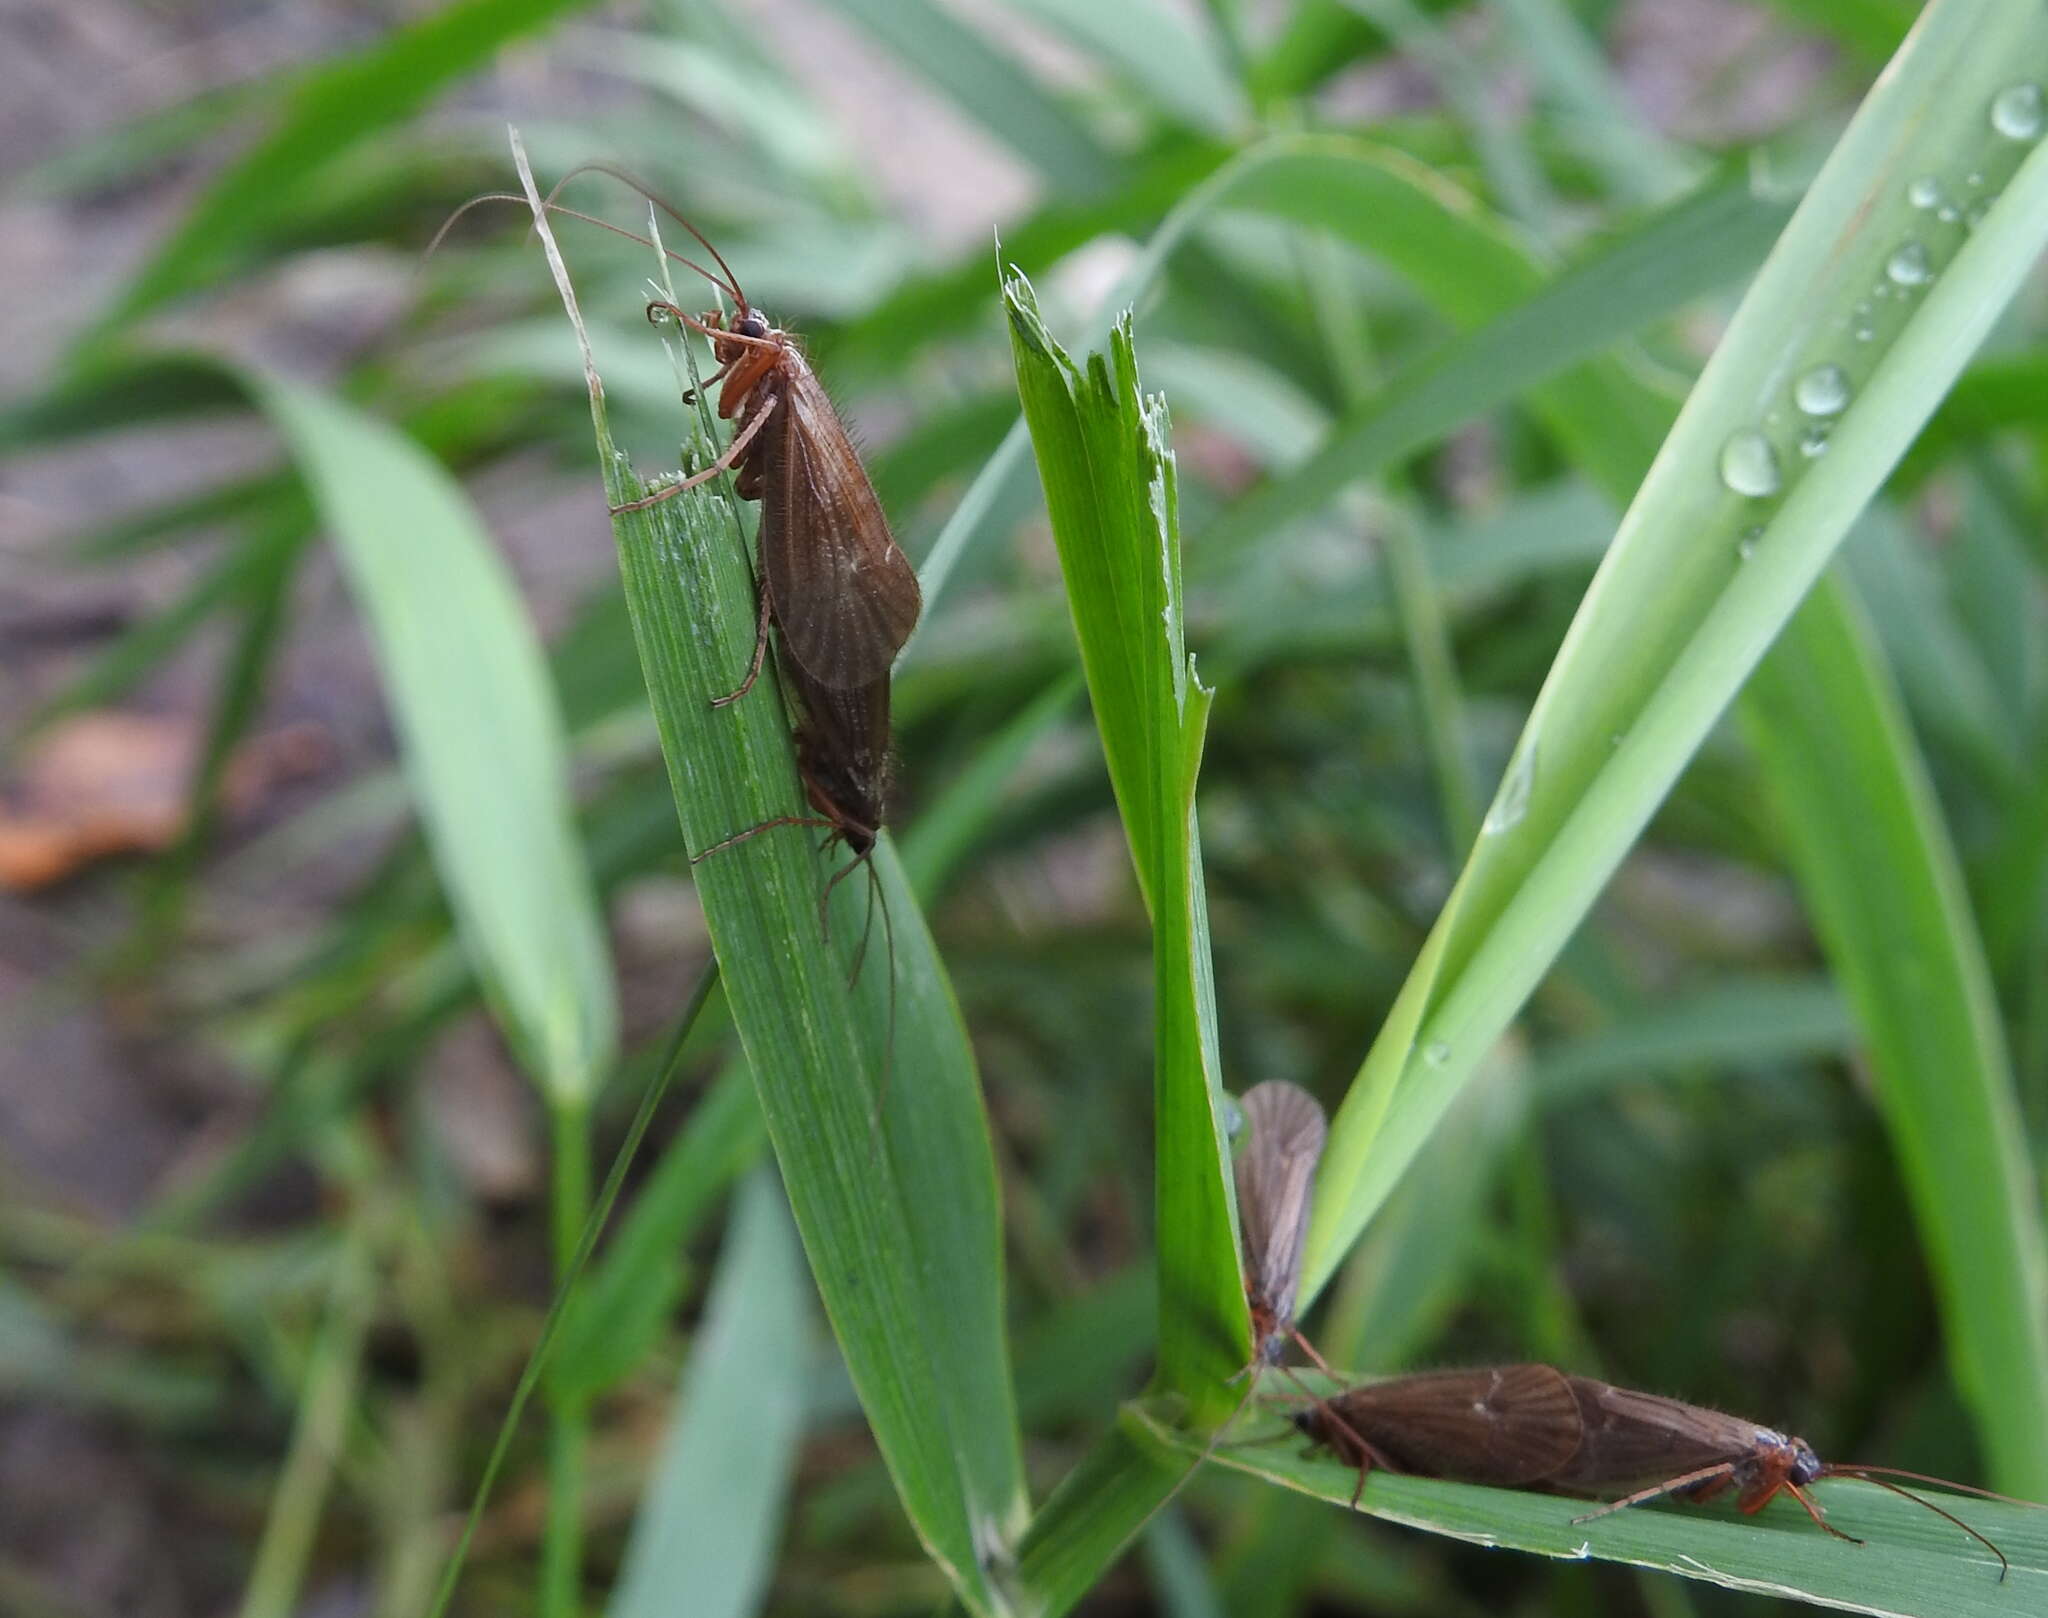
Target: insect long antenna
<point>729,282</point>
<point>1874,1474</point>
<point>448,224</point>
<point>555,207</point>
<point>1294,1376</point>
<point>2004,1567</point>
<point>1309,1349</point>
<point>878,894</point>
<point>867,931</point>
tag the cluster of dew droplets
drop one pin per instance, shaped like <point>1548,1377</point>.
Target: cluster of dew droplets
<point>1749,461</point>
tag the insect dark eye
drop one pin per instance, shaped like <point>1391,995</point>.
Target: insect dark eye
<point>751,324</point>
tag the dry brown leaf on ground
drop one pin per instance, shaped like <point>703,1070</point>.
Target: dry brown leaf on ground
<point>108,783</point>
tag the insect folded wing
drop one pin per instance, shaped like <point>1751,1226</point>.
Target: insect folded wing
<point>1275,1172</point>
<point>1635,1437</point>
<point>1509,1426</point>
<point>845,595</point>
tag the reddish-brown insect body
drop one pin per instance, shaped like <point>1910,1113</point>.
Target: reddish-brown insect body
<point>1535,1427</point>
<point>833,578</point>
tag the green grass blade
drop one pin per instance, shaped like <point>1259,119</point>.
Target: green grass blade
<point>1912,1564</point>
<point>1913,969</point>
<point>1179,1568</point>
<point>327,1400</point>
<point>1533,331</point>
<point>1105,459</point>
<point>900,1223</point>
<point>1158,50</point>
<point>629,1298</point>
<point>479,730</point>
<point>1721,1026</point>
<point>1700,580</point>
<point>1385,203</point>
<point>712,1514</point>
<point>1096,1511</point>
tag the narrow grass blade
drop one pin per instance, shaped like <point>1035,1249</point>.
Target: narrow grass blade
<point>1180,1569</point>
<point>1725,1025</point>
<point>1703,576</point>
<point>1912,1564</point>
<point>1105,459</point>
<point>899,1220</point>
<point>1913,969</point>
<point>1388,205</point>
<point>480,733</point>
<point>1095,1512</point>
<point>713,1511</point>
<point>1156,49</point>
<point>276,1586</point>
<point>990,88</point>
<point>627,1301</point>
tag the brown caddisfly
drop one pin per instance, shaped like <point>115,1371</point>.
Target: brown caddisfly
<point>1275,1171</point>
<point>1536,1427</point>
<point>833,578</point>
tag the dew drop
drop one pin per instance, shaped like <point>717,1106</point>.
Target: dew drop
<point>1864,333</point>
<point>1748,463</point>
<point>1813,442</point>
<point>1436,1053</point>
<point>1947,214</point>
<point>1924,192</point>
<point>1973,180</point>
<point>2016,111</point>
<point>1511,802</point>
<point>1822,391</point>
<point>1909,266</point>
<point>1745,547</point>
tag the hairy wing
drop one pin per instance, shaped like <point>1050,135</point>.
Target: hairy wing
<point>1636,1438</point>
<point>1509,1425</point>
<point>843,591</point>
<point>1274,1173</point>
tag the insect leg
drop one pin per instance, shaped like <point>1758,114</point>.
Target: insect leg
<point>733,451</point>
<point>1812,1510</point>
<point>760,651</point>
<point>690,394</point>
<point>1718,1473</point>
<point>754,831</point>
